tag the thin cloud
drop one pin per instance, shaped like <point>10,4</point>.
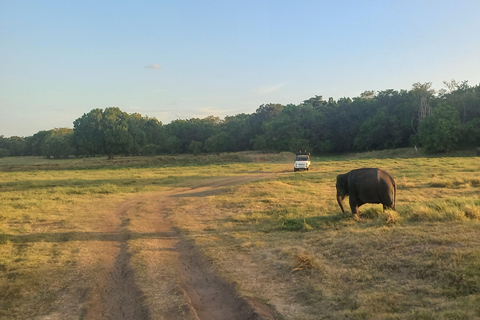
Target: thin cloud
<point>213,111</point>
<point>154,66</point>
<point>269,89</point>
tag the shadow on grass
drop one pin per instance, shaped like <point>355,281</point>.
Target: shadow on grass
<point>84,236</point>
<point>310,223</point>
<point>82,186</point>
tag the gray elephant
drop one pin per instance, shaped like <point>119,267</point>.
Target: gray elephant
<point>366,185</point>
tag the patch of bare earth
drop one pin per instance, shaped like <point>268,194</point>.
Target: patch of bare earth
<point>122,299</point>
<point>210,297</point>
<point>158,273</point>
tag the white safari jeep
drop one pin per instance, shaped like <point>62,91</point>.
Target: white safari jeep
<point>302,161</point>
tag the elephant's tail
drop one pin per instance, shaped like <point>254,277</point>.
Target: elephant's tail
<point>394,195</point>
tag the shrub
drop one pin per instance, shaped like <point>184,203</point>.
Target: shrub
<point>440,131</point>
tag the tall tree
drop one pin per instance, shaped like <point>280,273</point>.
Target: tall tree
<point>194,129</point>
<point>4,147</point>
<point>237,131</point>
<point>116,133</point>
<point>423,93</point>
<point>155,135</point>
<point>136,130</point>
<point>35,143</point>
<point>264,113</point>
<point>88,134</point>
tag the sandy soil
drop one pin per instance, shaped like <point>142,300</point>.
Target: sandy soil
<point>118,295</point>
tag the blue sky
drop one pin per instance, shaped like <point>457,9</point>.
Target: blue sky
<point>185,59</point>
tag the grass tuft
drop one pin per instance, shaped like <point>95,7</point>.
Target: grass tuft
<point>304,261</point>
<point>390,217</point>
<point>472,212</point>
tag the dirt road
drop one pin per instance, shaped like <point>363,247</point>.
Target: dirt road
<point>173,261</point>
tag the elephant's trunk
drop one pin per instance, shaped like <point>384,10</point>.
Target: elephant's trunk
<point>339,200</point>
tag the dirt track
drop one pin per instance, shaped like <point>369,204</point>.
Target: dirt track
<point>207,295</point>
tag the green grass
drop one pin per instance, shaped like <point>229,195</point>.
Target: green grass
<point>419,262</point>
<point>173,161</point>
<point>287,233</point>
<point>51,210</point>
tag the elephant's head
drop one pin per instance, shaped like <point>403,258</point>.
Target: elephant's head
<point>342,189</point>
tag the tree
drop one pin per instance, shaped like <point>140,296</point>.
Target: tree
<point>472,133</point>
<point>374,120</point>
<point>16,146</point>
<point>155,135</point>
<point>464,98</point>
<point>88,134</point>
<point>193,130</point>
<point>259,142</point>
<point>172,144</point>
<point>221,142</point>
<point>390,126</point>
<point>58,144</point>
<point>423,93</point>
<point>372,132</point>
<point>237,128</point>
<point>315,102</point>
<point>195,147</point>
<point>346,120</point>
<point>111,131</point>
<point>4,147</point>
<point>136,130</point>
<point>34,143</point>
<point>291,129</point>
<point>440,131</point>
<point>117,137</point>
<point>264,113</point>
<point>368,94</point>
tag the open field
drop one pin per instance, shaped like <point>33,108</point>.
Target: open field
<point>133,239</point>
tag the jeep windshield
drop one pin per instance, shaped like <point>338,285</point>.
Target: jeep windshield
<point>302,158</point>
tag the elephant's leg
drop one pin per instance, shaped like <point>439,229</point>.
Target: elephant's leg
<point>391,207</point>
<point>388,203</point>
<point>354,205</point>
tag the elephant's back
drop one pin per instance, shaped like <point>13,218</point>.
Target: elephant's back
<point>370,177</point>
<point>384,175</point>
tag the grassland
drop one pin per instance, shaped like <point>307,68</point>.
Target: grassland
<point>282,240</point>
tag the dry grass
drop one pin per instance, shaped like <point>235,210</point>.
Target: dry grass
<point>164,161</point>
<point>282,240</point>
<point>286,242</point>
<point>59,233</point>
<point>51,262</point>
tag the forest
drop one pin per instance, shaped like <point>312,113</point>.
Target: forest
<point>420,117</point>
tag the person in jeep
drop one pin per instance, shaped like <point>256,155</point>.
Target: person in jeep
<point>302,161</point>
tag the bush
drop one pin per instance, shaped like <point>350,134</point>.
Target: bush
<point>4,153</point>
<point>440,131</point>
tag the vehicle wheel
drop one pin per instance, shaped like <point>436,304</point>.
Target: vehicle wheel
<point>294,170</point>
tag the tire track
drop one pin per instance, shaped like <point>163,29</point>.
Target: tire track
<point>122,299</point>
<point>207,295</point>
<point>210,297</point>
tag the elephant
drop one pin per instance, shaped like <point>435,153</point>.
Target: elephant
<point>478,151</point>
<point>366,185</point>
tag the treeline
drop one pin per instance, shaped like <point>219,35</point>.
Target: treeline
<point>439,122</point>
